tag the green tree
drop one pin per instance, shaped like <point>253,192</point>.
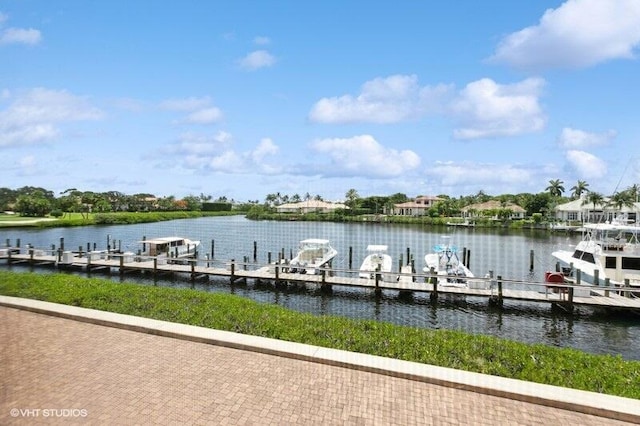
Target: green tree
<point>555,188</point>
<point>351,197</point>
<point>579,188</point>
<point>593,198</point>
<point>33,204</point>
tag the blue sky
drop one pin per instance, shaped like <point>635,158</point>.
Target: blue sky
<point>246,98</point>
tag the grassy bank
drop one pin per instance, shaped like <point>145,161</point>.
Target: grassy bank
<point>120,218</point>
<point>483,354</point>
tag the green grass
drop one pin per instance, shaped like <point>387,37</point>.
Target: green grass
<point>483,354</point>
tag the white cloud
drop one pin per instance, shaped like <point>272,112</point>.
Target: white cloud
<point>264,149</point>
<point>261,40</point>
<point>381,100</point>
<point>36,116</point>
<point>3,18</point>
<point>364,156</point>
<point>573,138</point>
<point>257,59</point>
<point>216,154</point>
<point>20,36</point>
<point>200,109</point>
<point>586,165</point>
<point>205,116</point>
<point>579,33</point>
<point>186,104</point>
<point>27,165</point>
<point>487,109</point>
<point>452,174</point>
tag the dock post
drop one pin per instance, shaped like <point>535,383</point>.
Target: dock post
<point>350,257</point>
<point>269,258</point>
<point>121,265</point>
<point>9,256</point>
<point>62,243</point>
<point>497,300</point>
<point>155,266</point>
<point>244,265</point>
<point>626,285</point>
<point>233,270</point>
<point>18,242</point>
<point>31,255</point>
<point>408,255</point>
<point>468,264</point>
<point>277,270</point>
<point>596,277</point>
<point>570,301</point>
<point>378,290</point>
<point>607,282</point>
<point>557,266</point>
<point>255,251</point>
<point>213,246</point>
<point>80,252</point>
<point>531,260</point>
<point>578,276</point>
<point>8,242</point>
<point>88,263</point>
<point>144,245</point>
<point>434,280</point>
<point>193,269</point>
<point>325,288</point>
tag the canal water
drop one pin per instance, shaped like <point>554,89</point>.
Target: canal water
<point>506,253</point>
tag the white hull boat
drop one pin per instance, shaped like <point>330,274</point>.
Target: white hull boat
<point>606,251</point>
<point>448,267</point>
<point>313,253</point>
<point>170,248</point>
<point>377,261</point>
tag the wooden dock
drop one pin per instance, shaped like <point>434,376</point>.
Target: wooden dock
<point>494,289</point>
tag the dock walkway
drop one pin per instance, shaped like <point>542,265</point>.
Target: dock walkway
<point>494,289</point>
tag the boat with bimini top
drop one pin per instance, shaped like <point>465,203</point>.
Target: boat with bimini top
<point>313,253</point>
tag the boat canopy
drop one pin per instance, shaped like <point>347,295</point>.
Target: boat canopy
<point>377,247</point>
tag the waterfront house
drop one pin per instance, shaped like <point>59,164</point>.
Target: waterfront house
<point>419,206</point>
<point>307,206</point>
<point>491,209</point>
<point>585,212</point>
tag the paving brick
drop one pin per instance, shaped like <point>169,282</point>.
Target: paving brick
<point>125,377</point>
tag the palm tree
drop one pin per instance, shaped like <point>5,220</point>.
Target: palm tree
<point>351,196</point>
<point>555,187</point>
<point>620,200</point>
<point>594,198</point>
<point>579,188</point>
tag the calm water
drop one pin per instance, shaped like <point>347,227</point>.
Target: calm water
<point>506,254</point>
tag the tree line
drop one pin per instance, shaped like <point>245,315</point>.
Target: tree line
<point>37,201</point>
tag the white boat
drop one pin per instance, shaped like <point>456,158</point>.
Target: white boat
<point>606,250</point>
<point>313,253</point>
<point>376,260</point>
<point>170,247</point>
<point>445,262</point>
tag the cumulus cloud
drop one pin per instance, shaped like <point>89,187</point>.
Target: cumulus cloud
<point>469,174</point>
<point>382,100</point>
<point>260,40</point>
<point>573,138</point>
<point>200,110</point>
<point>487,109</point>
<point>579,33</point>
<point>205,116</point>
<point>586,165</point>
<point>18,35</point>
<point>256,60</point>
<point>37,115</point>
<point>364,156</point>
<point>185,104</point>
<point>216,153</point>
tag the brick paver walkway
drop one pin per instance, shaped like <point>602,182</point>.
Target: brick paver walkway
<point>103,375</point>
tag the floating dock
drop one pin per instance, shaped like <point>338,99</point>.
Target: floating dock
<point>495,289</point>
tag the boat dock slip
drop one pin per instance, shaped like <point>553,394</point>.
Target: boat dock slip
<point>495,289</point>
